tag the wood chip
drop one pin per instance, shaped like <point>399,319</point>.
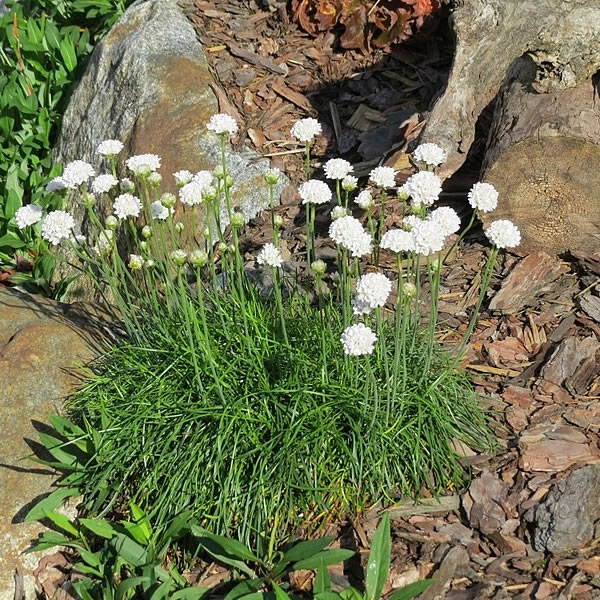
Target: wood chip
<point>257,60</point>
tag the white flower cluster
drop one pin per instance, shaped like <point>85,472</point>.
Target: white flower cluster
<point>143,164</point>
<point>314,191</point>
<point>337,212</point>
<point>28,215</point>
<point>372,291</point>
<point>349,233</point>
<point>365,200</point>
<point>58,184</point>
<point>127,205</point>
<point>398,240</point>
<point>429,237</point>
<point>430,154</point>
<point>446,218</point>
<point>57,226</point>
<point>182,177</point>
<point>337,168</point>
<point>222,124</point>
<point>191,193</point>
<point>483,197</point>
<point>104,183</point>
<point>503,234</point>
<point>270,255</point>
<point>77,173</point>
<point>423,188</point>
<point>349,183</point>
<point>305,130</point>
<point>358,340</point>
<point>109,148</point>
<point>159,211</point>
<point>383,177</point>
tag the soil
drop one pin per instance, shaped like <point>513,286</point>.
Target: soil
<point>533,353</point>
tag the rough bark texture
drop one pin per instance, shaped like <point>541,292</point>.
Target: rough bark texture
<point>561,38</point>
<point>543,156</point>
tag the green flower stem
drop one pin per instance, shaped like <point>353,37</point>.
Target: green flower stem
<point>223,139</point>
<point>338,193</point>
<point>279,301</point>
<point>307,168</point>
<point>485,282</point>
<point>384,357</point>
<point>310,233</point>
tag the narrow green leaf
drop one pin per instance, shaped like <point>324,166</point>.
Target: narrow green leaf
<point>129,584</point>
<point>192,593</point>
<point>82,587</point>
<point>411,590</point>
<point>162,591</point>
<point>322,581</point>
<point>228,551</point>
<point>306,549</point>
<point>130,550</point>
<point>244,588</point>
<point>324,558</point>
<point>142,522</point>
<point>378,564</point>
<point>58,449</point>
<point>327,596</point>
<point>50,503</point>
<point>67,51</point>
<point>351,593</point>
<point>280,594</point>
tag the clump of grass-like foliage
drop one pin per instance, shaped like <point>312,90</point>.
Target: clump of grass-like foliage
<point>260,407</point>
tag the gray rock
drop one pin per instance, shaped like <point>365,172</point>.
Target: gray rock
<point>565,519</point>
<point>41,342</point>
<point>148,84</point>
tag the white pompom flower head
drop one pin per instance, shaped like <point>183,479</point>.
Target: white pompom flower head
<point>304,130</point>
<point>270,255</point>
<point>483,197</point>
<point>222,124</point>
<point>358,340</point>
<point>503,234</point>
<point>430,154</point>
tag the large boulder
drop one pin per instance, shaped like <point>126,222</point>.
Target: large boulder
<point>148,84</point>
<point>41,343</point>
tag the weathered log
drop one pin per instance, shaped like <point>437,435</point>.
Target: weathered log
<point>561,38</point>
<point>544,147</point>
<point>543,156</point>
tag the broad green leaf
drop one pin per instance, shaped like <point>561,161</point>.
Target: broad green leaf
<point>142,528</point>
<point>90,558</point>
<point>130,550</point>
<point>195,593</point>
<point>100,527</point>
<point>351,593</point>
<point>228,551</point>
<point>378,564</point>
<point>59,449</point>
<point>322,581</point>
<point>324,558</point>
<point>244,588</point>
<point>81,587</point>
<point>50,539</point>
<point>10,240</point>
<point>162,591</point>
<point>304,550</point>
<point>52,35</point>
<point>178,527</point>
<point>280,594</point>
<point>327,596</point>
<point>129,584</point>
<point>67,51</point>
<point>84,568</point>
<point>50,503</point>
<point>61,521</point>
<point>411,590</point>
<point>65,427</point>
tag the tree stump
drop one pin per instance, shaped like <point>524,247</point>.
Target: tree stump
<point>543,151</point>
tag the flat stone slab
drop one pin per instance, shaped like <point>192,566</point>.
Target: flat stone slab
<point>41,343</point>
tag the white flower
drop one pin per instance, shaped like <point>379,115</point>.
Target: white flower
<point>349,233</point>
<point>314,191</point>
<point>383,177</point>
<point>358,340</point>
<point>57,226</point>
<point>398,240</point>
<point>270,255</point>
<point>503,234</point>
<point>126,185</point>
<point>159,211</point>
<point>58,184</point>
<point>109,148</point>
<point>410,221</point>
<point>483,197</point>
<point>154,179</point>
<point>365,200</point>
<point>429,237</point>
<point>372,291</point>
<point>305,130</point>
<point>191,193</point>
<point>222,123</point>
<point>136,262</point>
<point>179,257</point>
<point>127,205</point>
<point>204,179</point>
<point>338,212</point>
<point>337,168</point>
<point>104,244</point>
<point>182,177</point>
<point>424,188</point>
<point>104,183</point>
<point>28,215</point>
<point>446,218</point>
<point>430,154</point>
<point>198,258</point>
<point>76,173</point>
<point>349,183</point>
<point>143,164</point>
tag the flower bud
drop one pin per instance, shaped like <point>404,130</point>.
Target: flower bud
<point>278,221</point>
<point>218,172</point>
<point>228,181</point>
<point>318,267</point>
<point>154,179</point>
<point>198,258</point>
<point>206,232</point>
<point>149,263</point>
<point>222,247</point>
<point>409,289</point>
<point>179,227</point>
<point>127,186</point>
<point>111,223</point>
<point>338,212</point>
<point>168,200</point>
<point>136,262</point>
<point>272,176</point>
<point>209,194</point>
<point>146,232</point>
<point>179,257</point>
<point>144,246</point>
<point>349,183</point>
<point>237,220</point>
<point>88,200</point>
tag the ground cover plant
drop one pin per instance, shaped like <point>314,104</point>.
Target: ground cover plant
<point>258,400</point>
<point>43,49</point>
